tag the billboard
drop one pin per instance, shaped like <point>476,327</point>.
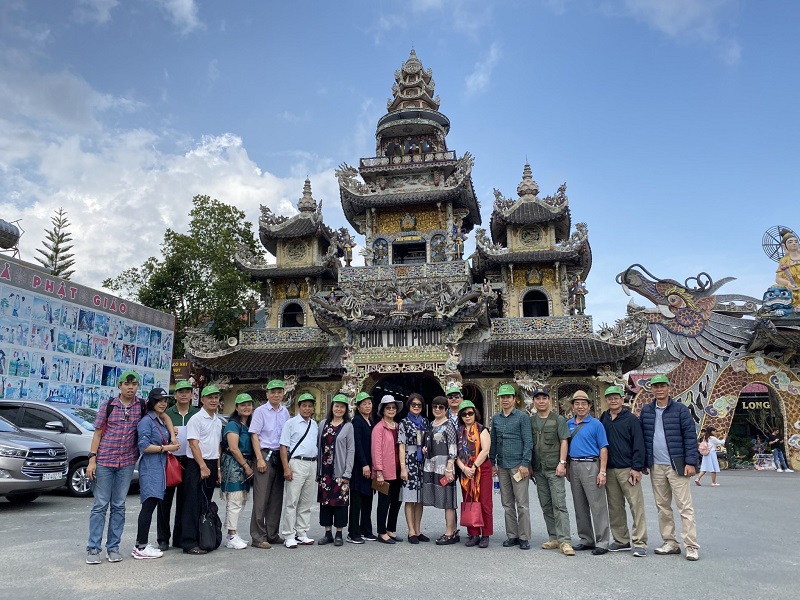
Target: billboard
<point>65,341</point>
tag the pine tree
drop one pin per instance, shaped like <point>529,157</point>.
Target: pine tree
<point>57,258</point>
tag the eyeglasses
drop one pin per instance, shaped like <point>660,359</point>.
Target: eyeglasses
<point>390,407</point>
<point>439,407</point>
<point>416,405</point>
<point>454,396</point>
<point>468,413</point>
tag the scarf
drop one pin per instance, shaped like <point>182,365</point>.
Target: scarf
<point>419,423</point>
<point>468,450</point>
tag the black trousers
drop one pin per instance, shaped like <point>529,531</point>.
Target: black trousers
<point>389,507</point>
<point>176,492</point>
<point>194,501</point>
<point>360,514</point>
<point>335,516</point>
<point>145,519</point>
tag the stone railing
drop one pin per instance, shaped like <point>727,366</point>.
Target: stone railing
<point>442,270</point>
<point>408,159</point>
<point>277,337</point>
<point>542,327</point>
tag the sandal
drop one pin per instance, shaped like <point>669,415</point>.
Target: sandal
<point>446,540</point>
<point>697,482</point>
<point>197,550</point>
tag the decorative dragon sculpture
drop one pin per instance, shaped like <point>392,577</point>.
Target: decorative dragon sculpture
<point>708,334</point>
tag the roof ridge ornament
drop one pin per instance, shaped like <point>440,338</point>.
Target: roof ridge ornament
<point>527,187</point>
<point>307,204</point>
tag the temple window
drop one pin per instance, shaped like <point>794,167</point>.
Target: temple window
<point>380,252</point>
<point>535,304</point>
<point>438,248</point>
<point>408,254</point>
<point>293,315</point>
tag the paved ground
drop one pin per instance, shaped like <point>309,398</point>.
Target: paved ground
<point>744,527</point>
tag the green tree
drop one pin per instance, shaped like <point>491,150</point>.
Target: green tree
<point>196,279</point>
<point>57,258</point>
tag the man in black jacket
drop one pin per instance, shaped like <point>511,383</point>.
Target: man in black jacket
<point>670,442</point>
<point>625,464</point>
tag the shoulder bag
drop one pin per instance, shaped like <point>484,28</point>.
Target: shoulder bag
<point>173,469</point>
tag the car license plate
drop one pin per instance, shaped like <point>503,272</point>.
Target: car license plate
<point>52,476</point>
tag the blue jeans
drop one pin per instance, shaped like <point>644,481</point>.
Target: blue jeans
<point>110,487</point>
<point>779,459</point>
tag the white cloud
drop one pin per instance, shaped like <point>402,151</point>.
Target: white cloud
<point>213,71</point>
<point>676,18</point>
<point>183,13</point>
<point>95,11</point>
<point>481,75</point>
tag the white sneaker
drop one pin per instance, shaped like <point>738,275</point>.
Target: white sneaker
<point>235,542</point>
<point>290,542</point>
<point>779,470</point>
<point>788,471</point>
<point>146,552</point>
<point>305,540</point>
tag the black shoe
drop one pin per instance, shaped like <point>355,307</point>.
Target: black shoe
<point>615,547</point>
<point>163,546</point>
<point>355,540</point>
<point>600,551</point>
<point>276,540</point>
<point>524,545</point>
<point>338,541</point>
<point>386,541</point>
<point>581,547</point>
<point>511,542</point>
<point>396,538</point>
<point>325,539</point>
<point>472,541</point>
<point>369,537</point>
<point>423,538</point>
<point>412,539</point>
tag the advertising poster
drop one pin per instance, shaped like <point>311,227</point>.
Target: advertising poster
<point>63,341</point>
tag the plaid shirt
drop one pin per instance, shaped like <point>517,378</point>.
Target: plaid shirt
<point>119,444</point>
<point>512,440</point>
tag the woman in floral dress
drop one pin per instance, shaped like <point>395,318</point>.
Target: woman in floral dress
<point>438,477</point>
<point>410,437</point>
<point>336,445</point>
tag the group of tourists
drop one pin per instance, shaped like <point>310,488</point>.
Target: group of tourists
<point>287,463</point>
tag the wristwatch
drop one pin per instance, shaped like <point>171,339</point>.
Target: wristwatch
<point>92,455</point>
<point>562,462</point>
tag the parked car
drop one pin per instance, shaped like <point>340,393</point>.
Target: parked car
<point>70,425</point>
<point>29,464</point>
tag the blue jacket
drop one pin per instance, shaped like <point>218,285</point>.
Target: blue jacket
<point>152,477</point>
<point>679,431</point>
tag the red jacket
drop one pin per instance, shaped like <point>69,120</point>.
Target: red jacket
<point>384,451</point>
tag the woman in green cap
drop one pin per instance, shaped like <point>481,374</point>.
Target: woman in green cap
<point>236,463</point>
<point>474,443</point>
<point>359,529</point>
<point>438,477</point>
<point>336,446</point>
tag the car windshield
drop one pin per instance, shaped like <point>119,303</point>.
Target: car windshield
<point>84,416</point>
<point>6,427</point>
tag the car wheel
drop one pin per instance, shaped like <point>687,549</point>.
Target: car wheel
<point>78,484</point>
<point>22,498</point>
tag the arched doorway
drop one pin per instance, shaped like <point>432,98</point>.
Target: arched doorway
<point>402,385</point>
<point>535,304</point>
<point>293,315</point>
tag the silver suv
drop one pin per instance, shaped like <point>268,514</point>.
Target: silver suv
<point>70,425</point>
<point>29,464</point>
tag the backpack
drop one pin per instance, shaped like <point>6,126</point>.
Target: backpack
<point>703,448</point>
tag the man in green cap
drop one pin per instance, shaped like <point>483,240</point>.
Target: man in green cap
<point>179,414</point>
<point>454,399</point>
<point>624,473</point>
<point>204,434</point>
<point>670,443</point>
<point>550,444</point>
<point>265,432</point>
<point>299,459</point>
<point>512,444</point>
<point>112,456</point>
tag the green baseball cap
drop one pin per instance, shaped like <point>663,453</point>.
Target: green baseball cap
<point>465,404</point>
<point>306,397</point>
<point>276,384</point>
<point>243,398</point>
<point>208,390</point>
<point>125,375</point>
<point>183,385</point>
<point>660,378</point>
<point>614,389</point>
<point>453,389</point>
<point>339,398</point>
<point>363,396</point>
<point>506,390</point>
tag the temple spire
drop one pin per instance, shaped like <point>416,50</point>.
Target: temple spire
<point>413,86</point>
<point>307,202</point>
<point>527,187</point>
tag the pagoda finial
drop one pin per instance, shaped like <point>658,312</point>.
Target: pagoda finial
<point>414,86</point>
<point>527,187</point>
<point>307,202</point>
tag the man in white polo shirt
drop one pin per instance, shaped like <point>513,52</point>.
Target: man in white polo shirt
<point>299,458</point>
<point>204,433</point>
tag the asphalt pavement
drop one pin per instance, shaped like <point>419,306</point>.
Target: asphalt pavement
<point>744,529</point>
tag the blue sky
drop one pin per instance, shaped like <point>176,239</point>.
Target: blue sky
<point>673,122</point>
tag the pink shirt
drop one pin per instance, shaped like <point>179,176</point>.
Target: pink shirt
<point>384,451</point>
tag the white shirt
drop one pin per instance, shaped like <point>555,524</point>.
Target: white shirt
<point>293,430</point>
<point>206,429</point>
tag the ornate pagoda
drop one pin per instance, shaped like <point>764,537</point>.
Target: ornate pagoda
<point>419,315</point>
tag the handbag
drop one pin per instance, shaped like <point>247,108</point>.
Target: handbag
<point>173,469</point>
<point>471,515</point>
<point>209,530</point>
